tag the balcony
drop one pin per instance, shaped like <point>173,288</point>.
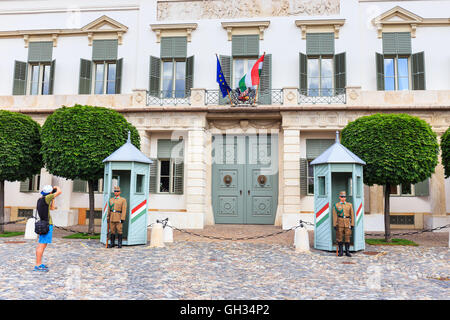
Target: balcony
<point>168,98</point>
<point>246,98</point>
<point>286,99</point>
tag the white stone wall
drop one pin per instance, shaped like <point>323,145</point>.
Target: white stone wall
<point>357,37</point>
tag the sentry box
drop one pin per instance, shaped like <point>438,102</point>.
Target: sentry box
<point>128,168</point>
<point>337,169</point>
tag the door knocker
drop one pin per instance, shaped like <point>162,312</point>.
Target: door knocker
<point>262,179</point>
<point>227,179</point>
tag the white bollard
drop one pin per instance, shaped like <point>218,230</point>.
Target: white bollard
<point>156,239</point>
<point>301,240</point>
<point>29,229</point>
<point>168,233</point>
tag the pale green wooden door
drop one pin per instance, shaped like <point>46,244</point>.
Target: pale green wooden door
<point>261,179</point>
<point>244,179</point>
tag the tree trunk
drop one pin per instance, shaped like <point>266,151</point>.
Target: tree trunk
<point>387,219</point>
<point>91,206</point>
<point>2,205</point>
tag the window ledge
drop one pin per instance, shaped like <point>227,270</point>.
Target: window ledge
<point>174,29</point>
<point>323,25</point>
<point>246,27</point>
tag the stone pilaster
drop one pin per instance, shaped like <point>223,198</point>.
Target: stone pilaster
<point>291,171</point>
<point>195,178</point>
<point>145,142</point>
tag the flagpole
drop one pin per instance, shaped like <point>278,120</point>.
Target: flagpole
<point>257,87</point>
<point>227,89</point>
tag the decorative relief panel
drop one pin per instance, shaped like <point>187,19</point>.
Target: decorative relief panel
<point>225,9</point>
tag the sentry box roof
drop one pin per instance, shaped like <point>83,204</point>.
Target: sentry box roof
<point>128,153</point>
<point>337,153</point>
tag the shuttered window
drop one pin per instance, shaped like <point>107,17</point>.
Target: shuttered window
<point>418,71</point>
<point>396,43</point>
<point>226,63</point>
<point>245,45</point>
<point>40,51</point>
<point>171,75</point>
<point>320,43</point>
<point>265,81</point>
<point>84,84</point>
<point>20,78</point>
<point>104,74</point>
<point>321,72</point>
<point>167,171</point>
<point>173,47</point>
<point>314,148</point>
<point>103,50</point>
<point>31,185</point>
<point>36,76</point>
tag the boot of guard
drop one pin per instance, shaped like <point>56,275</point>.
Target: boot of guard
<point>119,241</point>
<point>347,249</point>
<point>340,249</point>
<point>112,238</point>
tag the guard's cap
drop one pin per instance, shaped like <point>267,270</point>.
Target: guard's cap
<point>46,190</point>
<point>342,194</point>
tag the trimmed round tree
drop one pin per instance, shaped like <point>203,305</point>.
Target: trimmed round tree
<point>398,149</point>
<point>76,140</point>
<point>445,155</point>
<point>20,144</point>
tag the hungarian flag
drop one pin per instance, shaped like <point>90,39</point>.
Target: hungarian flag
<point>251,79</point>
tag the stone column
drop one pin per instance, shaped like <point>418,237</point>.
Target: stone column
<point>437,197</point>
<point>291,172</point>
<point>63,216</point>
<point>195,178</point>
<point>46,179</point>
<point>145,142</point>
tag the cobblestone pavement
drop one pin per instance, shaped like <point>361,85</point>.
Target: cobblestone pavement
<point>190,268</point>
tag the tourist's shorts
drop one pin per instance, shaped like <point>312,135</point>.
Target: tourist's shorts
<point>47,238</point>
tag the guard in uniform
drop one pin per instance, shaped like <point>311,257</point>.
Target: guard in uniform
<point>343,223</point>
<point>117,213</point>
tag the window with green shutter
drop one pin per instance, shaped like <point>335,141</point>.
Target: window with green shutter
<point>31,185</point>
<point>320,44</point>
<point>396,43</point>
<point>84,84</point>
<point>245,45</point>
<point>226,62</point>
<point>36,76</point>
<point>105,74</point>
<point>169,169</point>
<point>321,71</point>
<point>20,78</point>
<point>104,50</point>
<point>418,71</point>
<point>314,148</point>
<point>397,68</point>
<point>40,51</point>
<point>172,75</point>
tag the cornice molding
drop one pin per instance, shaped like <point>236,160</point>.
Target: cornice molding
<point>314,25</point>
<point>256,27</point>
<point>184,29</point>
<point>102,25</point>
<point>400,17</point>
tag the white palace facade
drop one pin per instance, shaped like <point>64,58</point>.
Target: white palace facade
<point>327,62</point>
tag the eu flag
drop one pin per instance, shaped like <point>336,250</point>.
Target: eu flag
<point>221,80</point>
